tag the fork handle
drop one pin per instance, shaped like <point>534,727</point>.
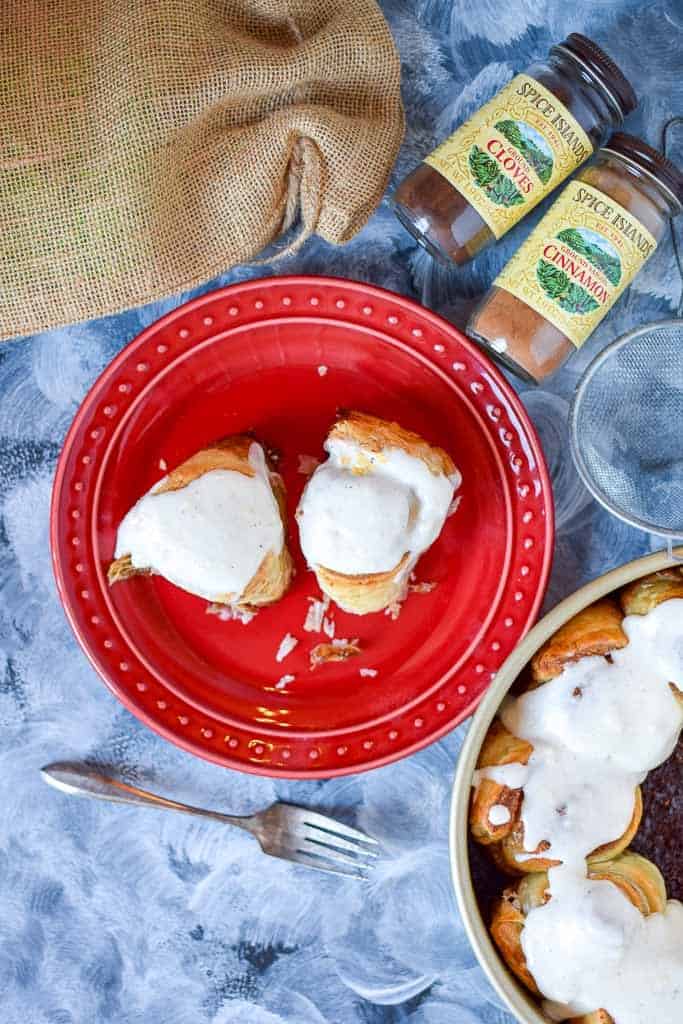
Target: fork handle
<point>82,780</point>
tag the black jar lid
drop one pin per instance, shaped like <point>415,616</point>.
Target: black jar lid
<point>603,68</point>
<point>648,159</point>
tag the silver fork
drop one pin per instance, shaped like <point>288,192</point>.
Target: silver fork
<point>282,830</point>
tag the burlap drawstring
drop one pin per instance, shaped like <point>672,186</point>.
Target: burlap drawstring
<point>145,148</point>
<point>303,195</point>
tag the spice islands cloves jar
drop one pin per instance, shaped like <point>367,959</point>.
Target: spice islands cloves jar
<point>579,258</point>
<point>515,150</point>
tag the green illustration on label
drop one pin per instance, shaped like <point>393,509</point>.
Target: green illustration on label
<point>500,173</point>
<point>497,186</point>
<point>568,280</point>
<point>596,249</point>
<point>531,145</point>
<point>557,285</point>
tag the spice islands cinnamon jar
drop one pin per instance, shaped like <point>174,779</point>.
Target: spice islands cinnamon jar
<point>515,150</point>
<point>579,259</point>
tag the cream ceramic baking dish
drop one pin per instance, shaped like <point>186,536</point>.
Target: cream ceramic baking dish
<point>521,1003</point>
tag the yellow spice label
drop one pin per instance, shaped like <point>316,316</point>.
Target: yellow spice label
<point>578,260</point>
<point>515,150</point>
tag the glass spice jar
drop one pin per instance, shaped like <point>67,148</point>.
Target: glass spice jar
<point>580,257</point>
<point>515,150</point>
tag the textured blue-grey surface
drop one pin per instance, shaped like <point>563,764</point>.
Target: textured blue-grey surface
<point>123,915</point>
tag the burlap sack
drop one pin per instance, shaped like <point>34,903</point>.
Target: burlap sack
<point>147,145</point>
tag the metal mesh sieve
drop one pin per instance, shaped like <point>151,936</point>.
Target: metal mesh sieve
<point>626,428</point>
<point>626,420</point>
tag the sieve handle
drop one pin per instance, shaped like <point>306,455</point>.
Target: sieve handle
<point>672,123</point>
<point>677,554</point>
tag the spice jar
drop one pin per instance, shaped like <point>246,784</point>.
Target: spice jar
<point>579,258</point>
<point>515,150</point>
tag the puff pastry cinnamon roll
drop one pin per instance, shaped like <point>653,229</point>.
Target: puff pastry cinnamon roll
<point>641,596</point>
<point>369,512</point>
<point>496,810</point>
<point>606,885</point>
<point>215,527</point>
<point>595,936</point>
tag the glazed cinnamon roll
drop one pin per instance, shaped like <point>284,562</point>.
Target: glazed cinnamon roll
<point>371,509</point>
<point>215,526</point>
<point>641,596</point>
<point>633,877</point>
<point>496,807</point>
<point>593,934</point>
<point>495,811</point>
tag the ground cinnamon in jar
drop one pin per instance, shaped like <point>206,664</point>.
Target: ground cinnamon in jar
<point>579,259</point>
<point>515,150</point>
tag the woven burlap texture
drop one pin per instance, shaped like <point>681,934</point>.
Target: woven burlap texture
<point>148,145</point>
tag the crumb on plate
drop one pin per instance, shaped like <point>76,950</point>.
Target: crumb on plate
<point>287,645</point>
<point>316,614</point>
<point>421,588</point>
<point>226,613</point>
<point>338,650</point>
<point>393,610</point>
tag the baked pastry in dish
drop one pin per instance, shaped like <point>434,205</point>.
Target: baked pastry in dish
<point>557,799</point>
<point>495,810</point>
<point>496,819</point>
<point>594,630</point>
<point>214,526</point>
<point>369,512</point>
<point>641,596</point>
<point>635,876</point>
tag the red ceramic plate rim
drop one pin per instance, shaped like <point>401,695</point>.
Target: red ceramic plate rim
<point>366,291</point>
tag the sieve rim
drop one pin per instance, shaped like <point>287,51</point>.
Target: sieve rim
<point>579,462</point>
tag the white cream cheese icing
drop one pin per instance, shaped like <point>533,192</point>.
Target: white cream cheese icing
<point>209,537</point>
<point>499,815</point>
<point>365,522</point>
<point>597,729</point>
<point>589,948</point>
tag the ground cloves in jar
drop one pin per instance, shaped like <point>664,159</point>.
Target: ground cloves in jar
<point>580,258</point>
<point>515,150</point>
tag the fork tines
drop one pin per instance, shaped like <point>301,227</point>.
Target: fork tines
<point>331,846</point>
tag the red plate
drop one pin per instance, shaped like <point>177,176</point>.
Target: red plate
<point>250,357</point>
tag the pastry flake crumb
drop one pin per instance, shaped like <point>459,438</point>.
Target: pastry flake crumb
<point>287,645</point>
<point>307,464</point>
<point>454,505</point>
<point>163,465</point>
<point>322,370</point>
<point>370,673</point>
<point>422,588</point>
<point>315,614</point>
<point>226,613</point>
<point>337,650</point>
<point>393,610</point>
<point>284,681</point>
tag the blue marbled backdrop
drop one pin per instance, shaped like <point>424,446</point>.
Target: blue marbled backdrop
<point>113,914</point>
